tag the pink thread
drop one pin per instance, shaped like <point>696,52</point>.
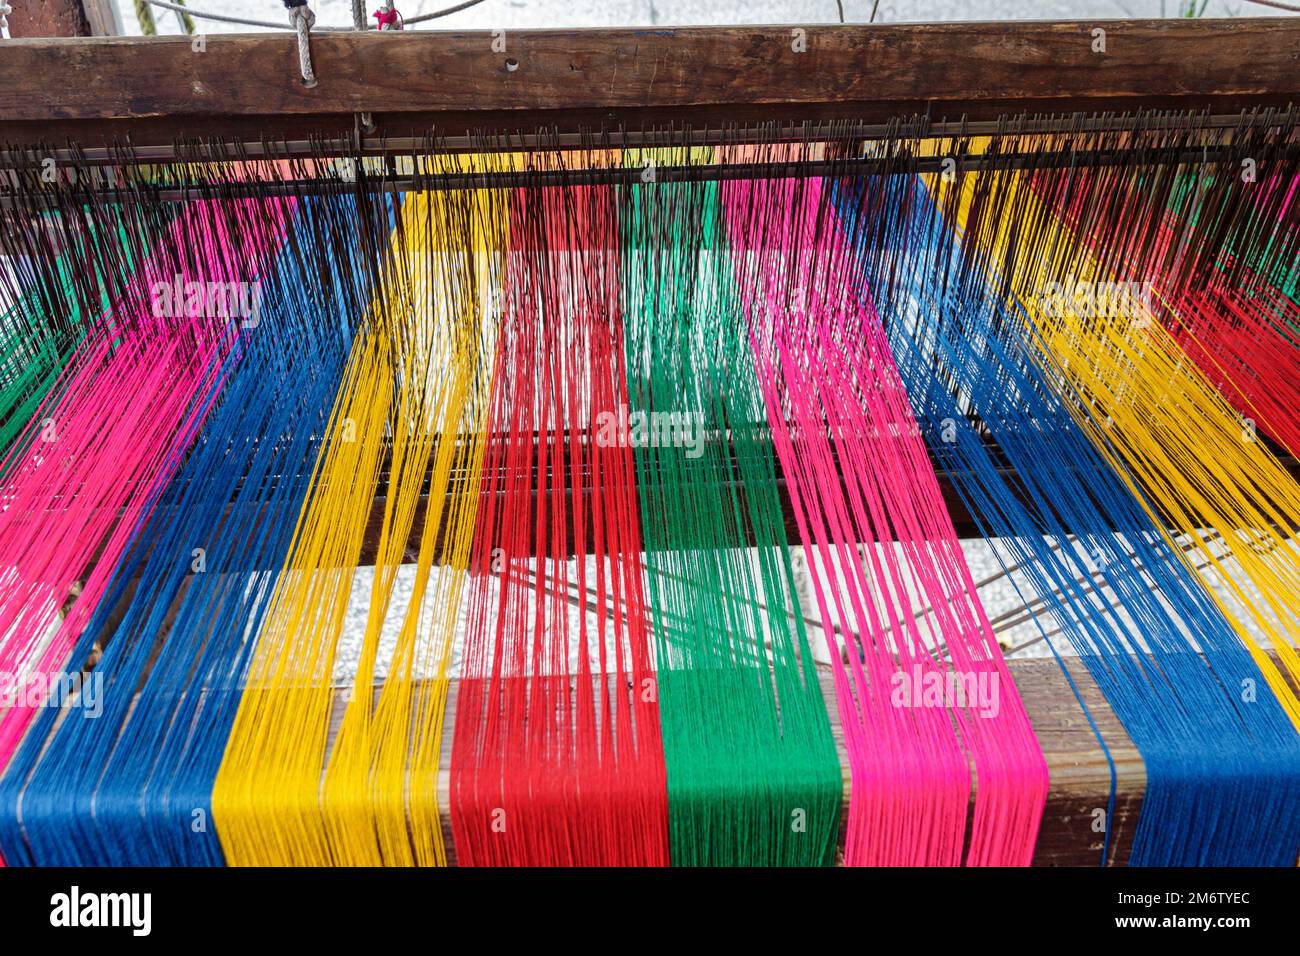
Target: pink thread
<point>836,403</point>
<point>91,463</point>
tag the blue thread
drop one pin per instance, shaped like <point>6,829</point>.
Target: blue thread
<point>133,786</point>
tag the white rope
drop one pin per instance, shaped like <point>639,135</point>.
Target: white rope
<point>1276,5</point>
<point>302,18</point>
<point>243,21</point>
<point>224,18</point>
<point>359,22</point>
<point>446,12</point>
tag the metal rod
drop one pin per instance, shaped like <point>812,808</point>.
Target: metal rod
<point>634,175</point>
<point>349,143</point>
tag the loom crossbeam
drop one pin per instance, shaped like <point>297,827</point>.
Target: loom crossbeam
<point>155,91</point>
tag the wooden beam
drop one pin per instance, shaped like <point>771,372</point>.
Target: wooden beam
<point>1079,773</point>
<point>966,523</point>
<point>64,18</point>
<point>156,89</point>
<point>48,18</point>
<point>102,18</point>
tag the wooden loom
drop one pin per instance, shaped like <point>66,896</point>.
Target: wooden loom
<point>105,100</point>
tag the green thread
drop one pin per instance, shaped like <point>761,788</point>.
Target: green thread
<point>753,774</point>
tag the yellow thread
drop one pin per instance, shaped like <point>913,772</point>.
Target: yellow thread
<point>1162,424</point>
<point>414,383</point>
<point>381,784</point>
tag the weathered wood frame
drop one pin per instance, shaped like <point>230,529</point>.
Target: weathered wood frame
<point>154,90</point>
